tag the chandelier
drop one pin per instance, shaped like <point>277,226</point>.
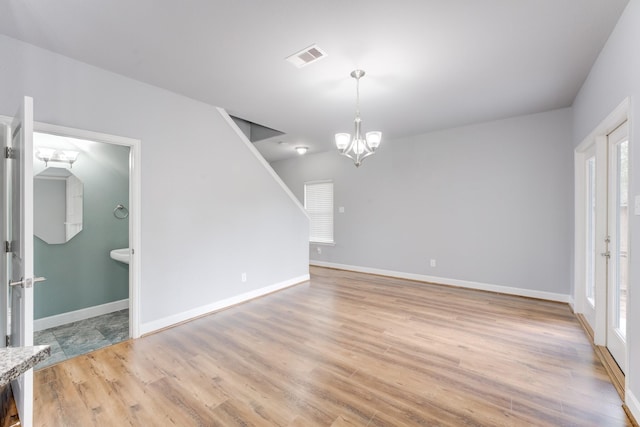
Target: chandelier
<point>358,148</point>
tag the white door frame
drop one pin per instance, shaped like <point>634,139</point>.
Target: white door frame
<point>597,321</point>
<point>4,274</point>
<point>598,137</point>
<point>134,204</point>
<point>21,301</point>
<point>582,303</point>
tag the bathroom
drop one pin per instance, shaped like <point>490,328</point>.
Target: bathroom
<point>81,214</point>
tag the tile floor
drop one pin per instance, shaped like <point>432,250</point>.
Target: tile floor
<point>84,336</point>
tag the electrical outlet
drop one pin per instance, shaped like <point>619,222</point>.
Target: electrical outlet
<point>243,277</point>
<point>318,249</point>
<point>433,263</point>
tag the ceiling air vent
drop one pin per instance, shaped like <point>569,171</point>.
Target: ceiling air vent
<point>306,56</point>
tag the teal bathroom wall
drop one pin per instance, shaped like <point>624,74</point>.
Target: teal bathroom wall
<point>80,273</point>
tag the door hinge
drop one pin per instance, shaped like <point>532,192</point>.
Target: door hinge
<point>8,246</point>
<point>9,153</point>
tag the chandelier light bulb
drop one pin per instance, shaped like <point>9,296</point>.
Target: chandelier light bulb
<point>342,140</point>
<point>374,138</point>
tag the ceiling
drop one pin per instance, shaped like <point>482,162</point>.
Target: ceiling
<point>431,64</point>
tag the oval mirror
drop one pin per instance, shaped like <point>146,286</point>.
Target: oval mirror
<point>57,203</point>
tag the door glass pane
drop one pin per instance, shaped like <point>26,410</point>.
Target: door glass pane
<point>622,235</point>
<point>591,229</point>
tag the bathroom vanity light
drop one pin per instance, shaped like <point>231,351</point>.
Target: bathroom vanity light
<point>52,155</point>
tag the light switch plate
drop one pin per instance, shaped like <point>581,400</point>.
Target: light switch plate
<point>341,209</point>
<point>636,206</point>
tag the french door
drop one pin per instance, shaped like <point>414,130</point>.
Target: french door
<point>604,240</point>
<point>617,242</point>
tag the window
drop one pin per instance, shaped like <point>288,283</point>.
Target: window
<point>318,201</point>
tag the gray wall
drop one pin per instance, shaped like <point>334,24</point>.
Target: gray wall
<point>80,273</point>
<point>210,210</point>
<point>614,76</point>
<point>490,202</point>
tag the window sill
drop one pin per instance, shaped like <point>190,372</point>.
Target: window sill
<point>323,243</point>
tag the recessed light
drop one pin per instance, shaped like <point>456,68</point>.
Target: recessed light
<point>302,150</point>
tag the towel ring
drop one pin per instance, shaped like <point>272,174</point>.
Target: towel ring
<point>121,212</point>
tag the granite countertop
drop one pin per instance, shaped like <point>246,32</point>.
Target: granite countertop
<point>14,361</point>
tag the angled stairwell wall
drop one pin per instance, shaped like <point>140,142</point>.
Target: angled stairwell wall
<point>211,209</point>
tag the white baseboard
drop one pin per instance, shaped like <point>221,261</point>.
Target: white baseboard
<point>551,296</point>
<point>155,325</point>
<point>74,316</point>
<point>632,403</point>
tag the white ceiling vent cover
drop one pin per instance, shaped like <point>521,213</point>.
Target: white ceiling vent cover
<point>306,56</point>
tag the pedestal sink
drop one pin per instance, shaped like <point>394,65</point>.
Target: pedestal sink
<point>123,255</point>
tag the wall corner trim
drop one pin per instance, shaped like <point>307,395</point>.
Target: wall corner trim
<point>550,296</point>
<point>261,159</point>
<point>165,322</point>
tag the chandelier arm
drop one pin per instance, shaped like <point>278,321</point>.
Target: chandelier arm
<point>353,153</point>
<point>358,161</point>
<point>351,147</point>
<point>348,154</point>
<point>364,155</point>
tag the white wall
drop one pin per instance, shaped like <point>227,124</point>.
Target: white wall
<point>614,76</point>
<point>490,202</point>
<point>210,210</point>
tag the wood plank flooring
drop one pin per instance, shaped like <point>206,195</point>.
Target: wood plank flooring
<point>345,349</point>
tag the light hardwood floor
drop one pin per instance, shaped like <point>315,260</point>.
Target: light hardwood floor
<point>345,349</point>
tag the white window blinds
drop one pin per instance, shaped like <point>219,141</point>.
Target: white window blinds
<point>318,201</point>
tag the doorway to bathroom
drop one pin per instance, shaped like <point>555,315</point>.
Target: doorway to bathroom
<point>85,234</point>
